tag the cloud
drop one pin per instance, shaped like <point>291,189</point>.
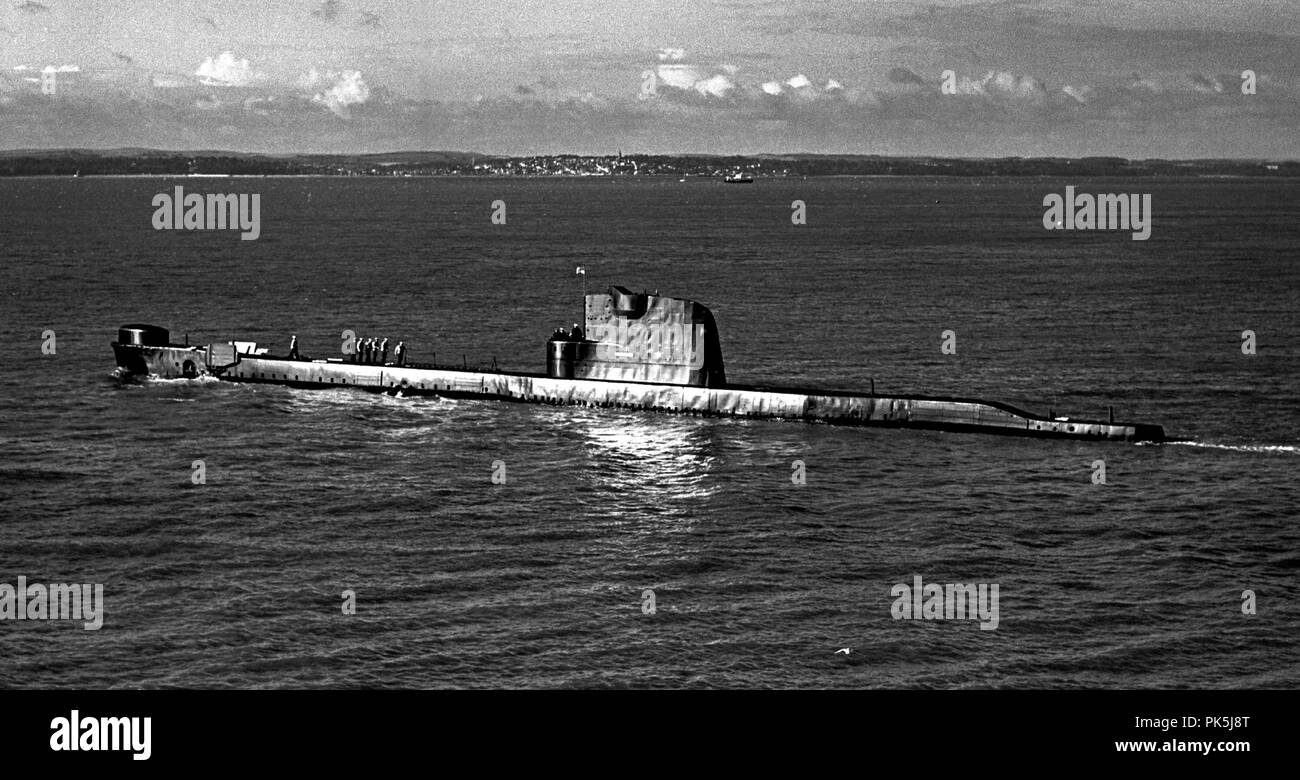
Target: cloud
<point>717,85</point>
<point>799,82</point>
<point>61,69</point>
<point>1015,86</point>
<point>688,82</point>
<point>679,76</point>
<point>1079,94</point>
<point>328,11</point>
<point>31,7</point>
<point>349,89</point>
<point>690,78</point>
<point>1004,85</point>
<point>225,70</point>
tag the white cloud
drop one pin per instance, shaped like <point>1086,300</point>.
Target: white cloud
<point>717,85</point>
<point>679,76</point>
<point>1004,84</point>
<point>349,89</point>
<point>225,70</point>
<point>1015,86</point>
<point>61,69</point>
<point>724,81</point>
<point>1080,94</point>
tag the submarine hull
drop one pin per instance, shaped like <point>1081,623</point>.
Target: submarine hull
<point>831,407</point>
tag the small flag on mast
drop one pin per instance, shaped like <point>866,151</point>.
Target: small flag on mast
<point>582,270</point>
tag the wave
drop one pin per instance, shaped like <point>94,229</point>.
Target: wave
<point>135,380</point>
<point>202,379</point>
<point>1290,449</point>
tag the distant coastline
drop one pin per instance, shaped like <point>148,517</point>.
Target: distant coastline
<point>150,162</point>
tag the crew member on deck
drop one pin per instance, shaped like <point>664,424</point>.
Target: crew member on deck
<point>558,335</point>
<point>576,333</point>
<point>293,348</point>
<point>383,352</point>
<point>399,353</point>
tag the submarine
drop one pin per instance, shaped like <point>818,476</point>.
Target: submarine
<point>634,351</point>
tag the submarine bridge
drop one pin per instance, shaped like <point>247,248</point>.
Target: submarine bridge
<point>638,351</point>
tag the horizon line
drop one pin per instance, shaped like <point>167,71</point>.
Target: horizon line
<point>619,153</point>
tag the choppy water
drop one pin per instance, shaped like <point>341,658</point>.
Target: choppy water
<point>538,582</point>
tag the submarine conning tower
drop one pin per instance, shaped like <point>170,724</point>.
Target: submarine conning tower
<point>640,337</point>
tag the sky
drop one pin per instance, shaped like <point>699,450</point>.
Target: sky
<point>1126,78</point>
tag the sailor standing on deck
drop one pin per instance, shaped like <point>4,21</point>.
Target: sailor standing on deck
<point>383,352</point>
<point>293,348</point>
<point>399,353</point>
<point>365,351</point>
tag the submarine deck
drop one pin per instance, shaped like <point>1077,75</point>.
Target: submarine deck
<point>833,406</point>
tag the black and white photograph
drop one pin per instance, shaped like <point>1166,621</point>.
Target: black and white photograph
<point>930,347</point>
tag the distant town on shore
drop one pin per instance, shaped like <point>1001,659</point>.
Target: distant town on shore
<point>151,162</point>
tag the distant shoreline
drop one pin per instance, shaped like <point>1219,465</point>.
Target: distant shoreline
<point>648,177</point>
<point>199,164</point>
